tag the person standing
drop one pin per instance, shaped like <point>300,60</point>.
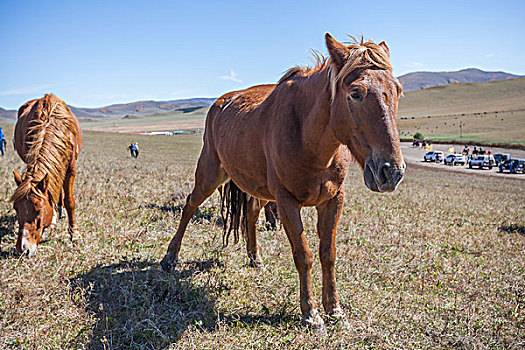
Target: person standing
<point>2,141</point>
<point>134,149</point>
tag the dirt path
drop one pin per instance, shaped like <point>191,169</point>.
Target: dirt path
<point>414,156</point>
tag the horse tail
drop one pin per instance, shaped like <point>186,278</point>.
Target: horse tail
<point>233,211</point>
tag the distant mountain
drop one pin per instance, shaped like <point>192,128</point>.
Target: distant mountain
<point>7,114</point>
<point>421,80</point>
<point>141,108</point>
<point>130,110</point>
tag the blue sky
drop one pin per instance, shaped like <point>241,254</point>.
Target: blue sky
<point>94,53</point>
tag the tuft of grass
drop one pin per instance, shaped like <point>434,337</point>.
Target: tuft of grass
<point>437,264</point>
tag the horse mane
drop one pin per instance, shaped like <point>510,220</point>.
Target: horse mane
<point>50,148</point>
<point>319,60</point>
<point>361,55</point>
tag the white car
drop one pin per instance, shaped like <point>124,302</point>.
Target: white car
<point>433,156</point>
<point>453,159</point>
<point>481,161</point>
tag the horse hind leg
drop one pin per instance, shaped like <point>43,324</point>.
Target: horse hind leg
<point>208,176</point>
<point>253,209</point>
<point>271,215</point>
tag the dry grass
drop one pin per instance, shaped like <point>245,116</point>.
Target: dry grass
<point>155,122</point>
<point>438,264</point>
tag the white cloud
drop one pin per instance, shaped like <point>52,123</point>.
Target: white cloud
<point>415,65</point>
<point>232,77</point>
<point>492,54</point>
<point>26,90</point>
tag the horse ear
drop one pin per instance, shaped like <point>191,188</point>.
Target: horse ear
<point>338,51</point>
<point>43,185</point>
<point>18,177</point>
<point>385,48</point>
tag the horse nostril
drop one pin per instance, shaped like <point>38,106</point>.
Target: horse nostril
<point>383,173</point>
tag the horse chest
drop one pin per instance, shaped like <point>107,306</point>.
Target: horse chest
<point>313,190</point>
<point>312,186</point>
<point>315,193</point>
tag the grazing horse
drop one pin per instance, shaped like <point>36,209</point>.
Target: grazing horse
<point>48,138</point>
<point>292,143</point>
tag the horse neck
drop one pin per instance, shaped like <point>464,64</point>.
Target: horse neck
<point>315,105</point>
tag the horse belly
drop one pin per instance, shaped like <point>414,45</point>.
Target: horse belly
<point>242,157</point>
<point>248,172</point>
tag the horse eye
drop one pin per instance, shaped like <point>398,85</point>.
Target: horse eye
<point>356,95</point>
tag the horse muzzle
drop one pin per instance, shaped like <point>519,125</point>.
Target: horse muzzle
<point>382,176</point>
<point>26,247</point>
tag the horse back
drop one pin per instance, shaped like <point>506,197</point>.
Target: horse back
<point>33,110</point>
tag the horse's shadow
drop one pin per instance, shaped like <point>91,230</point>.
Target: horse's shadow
<point>203,214</point>
<point>513,228</point>
<point>137,305</point>
<point>7,227</point>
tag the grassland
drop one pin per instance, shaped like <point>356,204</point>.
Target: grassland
<point>491,112</point>
<point>156,122</point>
<point>438,264</point>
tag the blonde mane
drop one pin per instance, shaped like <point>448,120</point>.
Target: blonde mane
<point>50,148</point>
<point>320,63</point>
<point>361,55</point>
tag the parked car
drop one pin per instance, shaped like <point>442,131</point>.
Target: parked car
<point>433,156</point>
<point>481,161</point>
<point>453,159</point>
<point>501,157</point>
<point>513,166</point>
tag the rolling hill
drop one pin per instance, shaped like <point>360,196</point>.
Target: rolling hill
<point>421,80</point>
<point>142,108</point>
<point>7,114</point>
<point>133,109</point>
<point>491,111</point>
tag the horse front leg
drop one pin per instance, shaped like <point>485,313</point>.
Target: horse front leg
<point>328,215</point>
<point>69,202</point>
<point>208,176</point>
<point>290,213</point>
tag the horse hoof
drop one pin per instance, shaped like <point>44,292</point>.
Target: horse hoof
<point>168,262</point>
<point>74,234</point>
<point>339,318</point>
<point>315,323</point>
<point>256,262</point>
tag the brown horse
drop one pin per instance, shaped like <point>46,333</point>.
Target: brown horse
<point>292,143</point>
<point>48,138</point>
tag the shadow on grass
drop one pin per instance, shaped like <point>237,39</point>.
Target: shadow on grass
<point>7,227</point>
<point>273,320</point>
<point>202,214</point>
<point>514,228</point>
<point>137,305</point>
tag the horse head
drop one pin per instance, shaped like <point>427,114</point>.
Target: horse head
<point>365,97</point>
<point>34,212</point>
